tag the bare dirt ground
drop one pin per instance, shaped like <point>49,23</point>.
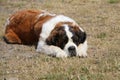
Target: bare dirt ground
<point>99,18</point>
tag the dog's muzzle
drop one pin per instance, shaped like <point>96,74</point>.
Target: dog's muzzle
<point>72,51</point>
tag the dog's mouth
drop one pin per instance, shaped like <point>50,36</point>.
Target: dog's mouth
<point>72,51</point>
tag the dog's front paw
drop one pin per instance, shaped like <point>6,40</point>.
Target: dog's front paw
<point>38,50</point>
<point>82,54</point>
<point>61,54</point>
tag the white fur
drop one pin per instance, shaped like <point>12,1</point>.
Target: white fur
<point>70,41</point>
<point>52,51</point>
<point>46,29</point>
<point>69,34</point>
<point>7,22</point>
<point>44,13</point>
<point>82,49</point>
<point>48,26</point>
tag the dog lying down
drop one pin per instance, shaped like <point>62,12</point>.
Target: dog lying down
<point>55,35</point>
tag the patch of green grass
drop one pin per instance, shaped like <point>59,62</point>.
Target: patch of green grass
<point>54,76</point>
<point>113,1</point>
<point>85,70</point>
<point>102,35</point>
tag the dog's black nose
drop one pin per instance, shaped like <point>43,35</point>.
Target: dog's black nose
<point>71,48</point>
<point>72,51</point>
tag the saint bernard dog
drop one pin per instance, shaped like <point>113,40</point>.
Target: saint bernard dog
<point>55,35</point>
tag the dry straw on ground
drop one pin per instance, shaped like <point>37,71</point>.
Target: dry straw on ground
<point>99,18</point>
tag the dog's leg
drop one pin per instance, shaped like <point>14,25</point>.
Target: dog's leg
<point>11,37</point>
<point>82,50</point>
<point>51,50</point>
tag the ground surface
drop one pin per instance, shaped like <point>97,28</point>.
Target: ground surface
<point>99,18</point>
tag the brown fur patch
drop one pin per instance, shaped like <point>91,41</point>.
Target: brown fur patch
<point>58,36</point>
<point>26,25</point>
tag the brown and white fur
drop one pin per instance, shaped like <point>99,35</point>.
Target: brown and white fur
<point>55,35</point>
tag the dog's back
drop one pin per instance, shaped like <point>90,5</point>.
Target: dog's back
<point>24,27</point>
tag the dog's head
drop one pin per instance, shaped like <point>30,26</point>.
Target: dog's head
<point>68,36</point>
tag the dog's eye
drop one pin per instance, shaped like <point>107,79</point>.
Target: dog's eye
<point>76,40</point>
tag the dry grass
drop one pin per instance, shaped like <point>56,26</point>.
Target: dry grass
<point>99,18</point>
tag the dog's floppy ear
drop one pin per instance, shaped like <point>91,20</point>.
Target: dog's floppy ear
<point>79,34</point>
<point>51,40</point>
<point>82,36</point>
